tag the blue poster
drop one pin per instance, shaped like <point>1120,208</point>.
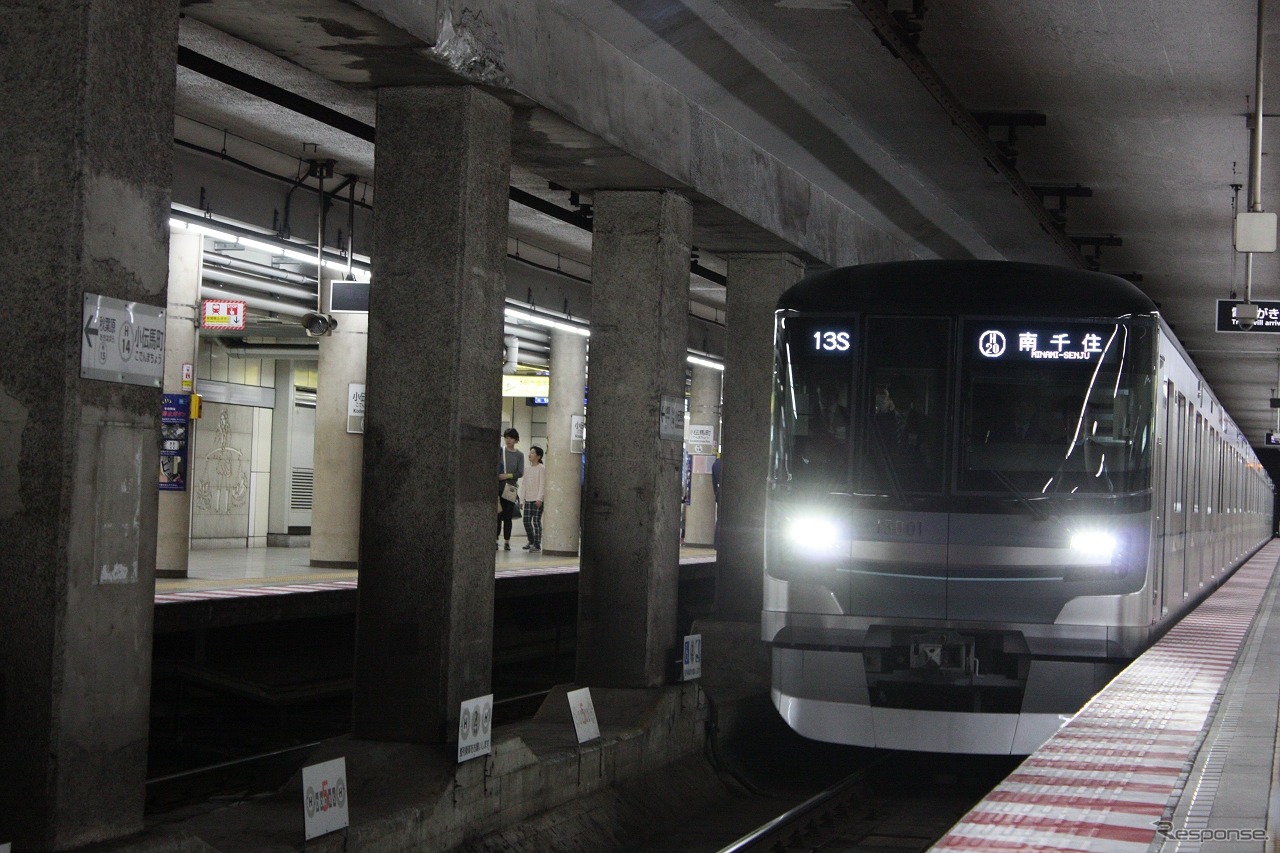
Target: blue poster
<point>175,422</point>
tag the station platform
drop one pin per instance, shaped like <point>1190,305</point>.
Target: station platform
<point>1177,753</point>
<point>246,572</point>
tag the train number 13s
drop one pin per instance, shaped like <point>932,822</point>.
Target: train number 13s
<point>831,341</point>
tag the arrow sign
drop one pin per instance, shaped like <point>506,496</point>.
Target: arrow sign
<point>90,330</point>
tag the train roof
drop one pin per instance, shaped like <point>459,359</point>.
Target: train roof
<point>967,287</point>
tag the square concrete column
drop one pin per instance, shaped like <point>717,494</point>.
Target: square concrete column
<point>754,283</point>
<point>338,454</point>
<point>631,503</point>
<point>88,134</point>
<point>424,636</point>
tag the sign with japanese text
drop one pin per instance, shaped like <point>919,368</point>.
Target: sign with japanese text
<point>475,728</point>
<point>584,714</point>
<point>175,416</point>
<point>121,341</point>
<point>691,666</point>
<point>1268,316</point>
<point>1073,343</point>
<point>324,794</point>
<point>222,314</point>
<point>355,407</point>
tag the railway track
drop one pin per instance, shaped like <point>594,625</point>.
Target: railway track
<point>901,802</point>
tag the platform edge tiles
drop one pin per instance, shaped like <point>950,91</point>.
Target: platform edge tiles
<point>1129,763</point>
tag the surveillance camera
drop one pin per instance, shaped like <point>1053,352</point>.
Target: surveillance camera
<point>318,325</point>
<point>1245,314</point>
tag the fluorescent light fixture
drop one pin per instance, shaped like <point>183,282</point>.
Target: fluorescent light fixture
<point>266,244</point>
<point>814,535</point>
<point>1094,543</point>
<point>549,322</point>
<point>705,362</point>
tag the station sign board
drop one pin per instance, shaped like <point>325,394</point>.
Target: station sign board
<point>1268,317</point>
<point>121,341</point>
<point>324,796</point>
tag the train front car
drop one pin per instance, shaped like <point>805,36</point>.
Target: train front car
<point>960,509</point>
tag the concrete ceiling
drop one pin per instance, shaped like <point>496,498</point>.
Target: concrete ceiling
<point>794,127</point>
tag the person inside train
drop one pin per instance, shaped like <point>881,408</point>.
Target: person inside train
<point>1020,425</point>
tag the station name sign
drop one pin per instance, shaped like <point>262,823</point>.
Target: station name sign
<point>1268,316</point>
<point>1075,343</point>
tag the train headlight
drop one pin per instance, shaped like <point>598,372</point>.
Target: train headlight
<point>1094,543</point>
<point>814,535</point>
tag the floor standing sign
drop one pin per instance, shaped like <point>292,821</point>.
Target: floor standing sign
<point>121,341</point>
<point>584,714</point>
<point>324,792</point>
<point>475,726</point>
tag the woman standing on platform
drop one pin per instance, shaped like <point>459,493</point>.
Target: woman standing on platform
<point>510,470</point>
<point>535,485</point>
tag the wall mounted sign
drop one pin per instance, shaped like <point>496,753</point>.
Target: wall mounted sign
<point>226,314</point>
<point>175,420</point>
<point>121,341</point>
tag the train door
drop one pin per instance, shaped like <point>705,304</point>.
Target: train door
<point>1195,503</point>
<point>1173,546</point>
<point>899,565</point>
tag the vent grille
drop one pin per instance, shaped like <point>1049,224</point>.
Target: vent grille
<point>300,492</point>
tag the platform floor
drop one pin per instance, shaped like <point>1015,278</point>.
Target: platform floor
<point>227,569</point>
<point>1177,753</point>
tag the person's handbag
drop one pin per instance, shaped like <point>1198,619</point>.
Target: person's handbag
<point>509,492</point>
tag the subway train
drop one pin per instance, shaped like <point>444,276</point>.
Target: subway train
<point>992,485</point>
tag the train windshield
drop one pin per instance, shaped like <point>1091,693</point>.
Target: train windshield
<point>1053,408</point>
<point>814,376</point>
<point>885,435</point>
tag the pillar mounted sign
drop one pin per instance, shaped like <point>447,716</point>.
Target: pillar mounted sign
<point>121,341</point>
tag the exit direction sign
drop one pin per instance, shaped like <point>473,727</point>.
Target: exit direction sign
<point>1268,316</point>
<point>222,314</point>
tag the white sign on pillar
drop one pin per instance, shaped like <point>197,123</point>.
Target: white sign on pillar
<point>584,714</point>
<point>701,439</point>
<point>121,341</point>
<point>355,407</point>
<point>324,793</point>
<point>692,658</point>
<point>475,726</point>
<point>577,433</point>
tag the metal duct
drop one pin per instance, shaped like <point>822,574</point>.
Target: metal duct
<point>260,303</point>
<point>306,296</point>
<point>295,353</point>
<point>259,269</point>
<point>513,354</point>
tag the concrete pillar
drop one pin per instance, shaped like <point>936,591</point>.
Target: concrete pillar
<point>278,501</point>
<point>754,284</point>
<point>338,454</point>
<point>181,339</point>
<point>88,136</point>
<point>631,510</point>
<point>704,411</point>
<point>562,518</point>
<point>425,628</point>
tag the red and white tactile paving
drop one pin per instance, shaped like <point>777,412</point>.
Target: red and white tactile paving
<point>1106,777</point>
